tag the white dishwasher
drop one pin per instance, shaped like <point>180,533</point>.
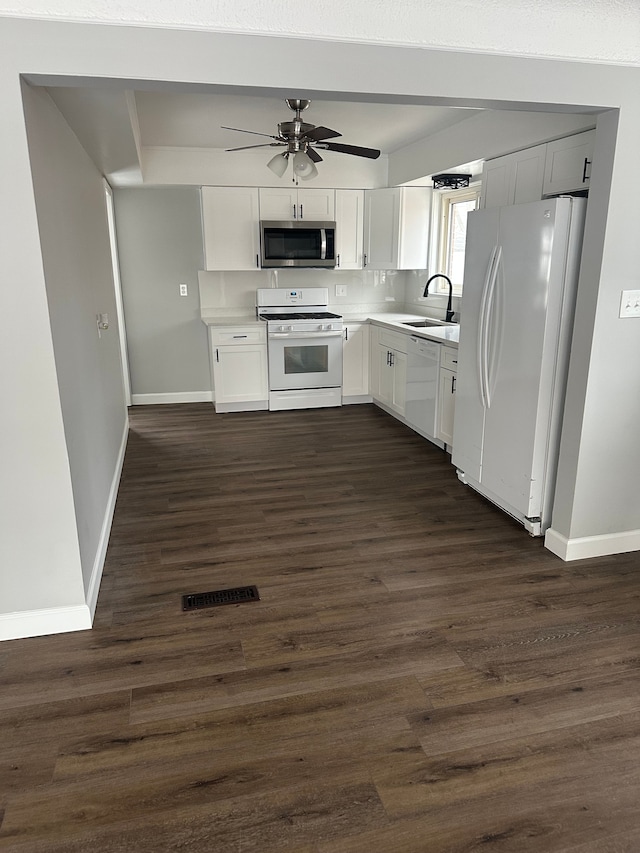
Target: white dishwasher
<point>423,368</point>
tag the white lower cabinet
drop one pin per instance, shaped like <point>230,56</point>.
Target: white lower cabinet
<point>355,363</point>
<point>447,394</point>
<point>239,368</point>
<point>389,370</point>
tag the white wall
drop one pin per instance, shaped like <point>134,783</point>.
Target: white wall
<point>603,30</point>
<point>160,247</point>
<point>39,551</point>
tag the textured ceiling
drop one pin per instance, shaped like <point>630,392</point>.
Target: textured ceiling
<point>594,30</point>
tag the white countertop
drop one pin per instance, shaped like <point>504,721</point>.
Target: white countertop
<point>233,320</point>
<point>449,335</point>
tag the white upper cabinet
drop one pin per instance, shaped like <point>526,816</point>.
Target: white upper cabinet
<point>230,228</point>
<point>396,228</point>
<point>285,203</point>
<point>557,167</point>
<point>349,229</point>
<point>513,179</point>
<point>568,164</point>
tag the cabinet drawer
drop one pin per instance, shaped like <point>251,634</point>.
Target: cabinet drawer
<point>449,358</point>
<point>395,340</point>
<point>230,335</point>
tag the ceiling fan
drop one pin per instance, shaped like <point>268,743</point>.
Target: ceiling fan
<point>302,141</point>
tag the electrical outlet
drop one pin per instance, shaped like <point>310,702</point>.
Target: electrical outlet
<point>341,289</point>
<point>630,303</point>
<point>183,290</point>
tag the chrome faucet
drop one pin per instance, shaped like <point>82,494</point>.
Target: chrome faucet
<point>449,313</point>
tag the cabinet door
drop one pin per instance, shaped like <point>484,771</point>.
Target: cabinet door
<point>240,374</point>
<point>349,229</point>
<point>446,407</point>
<point>568,164</point>
<point>230,228</point>
<point>355,360</point>
<point>384,389</point>
<point>381,217</point>
<point>495,183</point>
<point>527,173</point>
<point>317,204</point>
<point>513,179</point>
<point>278,203</point>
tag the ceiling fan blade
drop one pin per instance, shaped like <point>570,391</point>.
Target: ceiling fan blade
<point>321,133</point>
<point>371,153</point>
<point>313,155</point>
<point>264,145</point>
<point>255,132</point>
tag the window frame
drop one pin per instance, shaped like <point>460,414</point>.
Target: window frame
<point>446,200</point>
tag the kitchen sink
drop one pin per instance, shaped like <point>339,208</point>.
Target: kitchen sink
<point>422,323</point>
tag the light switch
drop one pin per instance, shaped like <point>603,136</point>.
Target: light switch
<point>341,289</point>
<point>630,303</point>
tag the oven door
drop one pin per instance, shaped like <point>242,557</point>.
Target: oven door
<point>305,360</point>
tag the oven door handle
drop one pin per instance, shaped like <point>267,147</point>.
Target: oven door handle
<point>296,335</point>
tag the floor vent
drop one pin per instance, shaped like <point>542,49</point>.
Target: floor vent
<point>237,595</point>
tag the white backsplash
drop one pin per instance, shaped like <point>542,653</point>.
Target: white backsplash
<point>226,294</point>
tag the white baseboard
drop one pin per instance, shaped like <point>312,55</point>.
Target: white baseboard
<point>356,399</point>
<point>173,397</point>
<point>584,547</point>
<point>98,563</point>
<point>38,623</point>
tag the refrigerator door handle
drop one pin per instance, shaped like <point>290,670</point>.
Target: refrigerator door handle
<point>483,318</point>
<point>491,302</point>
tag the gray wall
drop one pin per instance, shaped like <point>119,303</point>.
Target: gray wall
<point>72,221</point>
<point>159,233</point>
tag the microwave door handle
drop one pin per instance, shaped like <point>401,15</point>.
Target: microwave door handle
<point>323,244</point>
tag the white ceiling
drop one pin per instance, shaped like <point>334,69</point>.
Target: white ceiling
<point>194,120</point>
<point>116,126</point>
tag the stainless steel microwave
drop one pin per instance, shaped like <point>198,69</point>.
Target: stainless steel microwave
<point>297,243</point>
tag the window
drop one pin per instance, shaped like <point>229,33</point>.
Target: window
<point>454,207</point>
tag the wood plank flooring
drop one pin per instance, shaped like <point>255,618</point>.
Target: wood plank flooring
<point>419,675</point>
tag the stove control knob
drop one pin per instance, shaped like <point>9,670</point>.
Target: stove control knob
<point>282,329</point>
<point>289,328</point>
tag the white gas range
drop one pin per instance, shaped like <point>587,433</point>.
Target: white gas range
<point>304,344</point>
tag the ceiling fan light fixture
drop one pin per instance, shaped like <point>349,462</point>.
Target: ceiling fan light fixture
<point>303,166</point>
<point>278,164</point>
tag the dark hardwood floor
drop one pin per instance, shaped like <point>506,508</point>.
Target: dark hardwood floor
<point>419,675</point>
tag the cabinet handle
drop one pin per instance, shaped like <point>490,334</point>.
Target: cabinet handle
<point>454,360</point>
<point>453,384</point>
<point>217,356</point>
<point>365,259</point>
<point>388,358</point>
<point>585,177</point>
<point>346,333</point>
<point>338,260</point>
<point>301,213</point>
<point>392,359</point>
<point>258,261</point>
<point>295,212</point>
<point>241,336</point>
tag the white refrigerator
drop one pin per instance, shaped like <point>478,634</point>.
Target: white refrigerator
<point>520,279</point>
